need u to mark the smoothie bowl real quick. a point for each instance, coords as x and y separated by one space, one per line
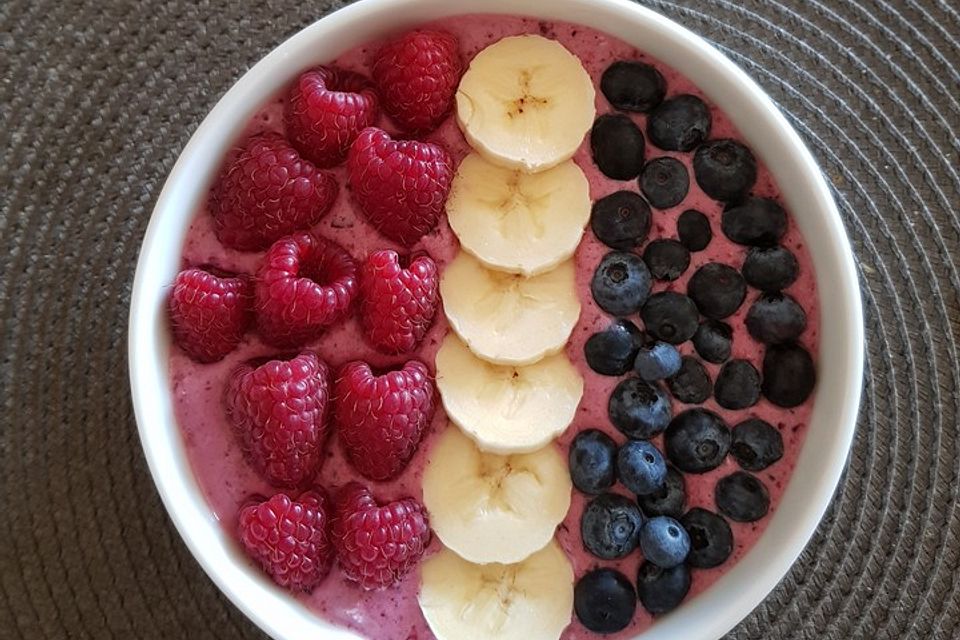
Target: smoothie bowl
495 321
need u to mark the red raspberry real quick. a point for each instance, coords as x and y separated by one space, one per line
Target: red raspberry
377 545
397 304
289 538
304 284
279 413
326 110
380 419
209 312
267 192
401 185
417 76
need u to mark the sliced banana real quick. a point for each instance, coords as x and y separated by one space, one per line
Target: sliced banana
525 103
532 600
492 508
507 318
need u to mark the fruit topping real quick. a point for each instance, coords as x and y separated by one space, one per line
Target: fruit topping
613 351
669 499
662 590
398 299
667 259
665 182
670 316
711 540
679 123
756 444
604 601
725 170
610 526
691 384
776 318
770 268
629 85
664 542
617 146
638 409
593 461
621 220
621 283
742 497
693 229
788 375
717 289
640 467
209 313
758 222
697 441
737 385
713 341
656 361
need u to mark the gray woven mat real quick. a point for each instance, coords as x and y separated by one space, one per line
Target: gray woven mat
97 100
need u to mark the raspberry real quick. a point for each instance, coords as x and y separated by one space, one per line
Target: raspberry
267 192
325 111
279 412
397 304
377 545
401 185
380 419
304 284
209 313
288 538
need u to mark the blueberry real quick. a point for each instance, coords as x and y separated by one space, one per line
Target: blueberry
662 590
621 220
725 170
593 467
713 341
666 259
617 146
693 229
679 124
757 222
756 444
670 316
604 601
665 182
641 467
664 542
610 526
788 375
668 500
770 268
621 283
711 540
717 289
657 361
633 86
737 385
697 441
776 318
692 383
612 352
638 409
742 497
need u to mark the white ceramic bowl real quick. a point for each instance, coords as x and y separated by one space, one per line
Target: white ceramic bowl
821 462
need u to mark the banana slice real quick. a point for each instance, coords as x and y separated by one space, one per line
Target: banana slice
519 222
525 103
532 600
492 508
506 318
507 409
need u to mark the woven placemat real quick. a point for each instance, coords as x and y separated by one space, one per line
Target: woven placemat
97 100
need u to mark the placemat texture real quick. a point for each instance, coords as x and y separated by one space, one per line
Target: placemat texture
96 102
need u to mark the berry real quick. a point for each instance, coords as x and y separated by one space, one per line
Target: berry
756 444
725 170
381 418
668 500
757 222
617 146
693 229
657 361
664 542
325 111
592 457
604 601
209 313
610 526
670 316
666 259
401 185
621 283
662 590
770 268
691 384
278 411
621 220
612 352
397 303
267 192
713 341
417 76
633 86
697 441
377 543
742 497
717 289
737 385
776 318
305 284
664 181
711 540
639 410
289 539
788 375
679 124
640 467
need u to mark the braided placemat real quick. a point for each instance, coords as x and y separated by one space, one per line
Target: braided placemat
96 102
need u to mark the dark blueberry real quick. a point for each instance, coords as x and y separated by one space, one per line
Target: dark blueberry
693 229
617 146
633 86
662 590
621 220
621 283
757 222
593 461
638 409
610 526
670 316
612 352
711 540
725 170
692 383
717 289
668 500
679 124
697 441
665 182
664 542
666 259
604 601
742 497
737 385
713 341
657 361
770 268
641 467
776 318
756 444
788 375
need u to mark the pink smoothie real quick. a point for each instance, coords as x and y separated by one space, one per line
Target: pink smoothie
393 614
